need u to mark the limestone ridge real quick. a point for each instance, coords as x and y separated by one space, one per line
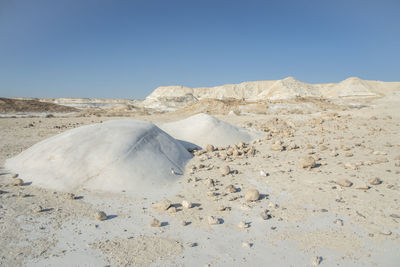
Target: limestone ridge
174 97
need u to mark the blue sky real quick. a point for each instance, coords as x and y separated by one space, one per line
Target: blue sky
125 49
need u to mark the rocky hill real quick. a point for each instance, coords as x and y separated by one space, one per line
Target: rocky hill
174 97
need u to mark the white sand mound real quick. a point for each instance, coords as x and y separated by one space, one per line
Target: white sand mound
112 156
203 129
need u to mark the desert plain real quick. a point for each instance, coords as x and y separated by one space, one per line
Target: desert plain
316 182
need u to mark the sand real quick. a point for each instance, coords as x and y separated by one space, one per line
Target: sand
303 214
116 155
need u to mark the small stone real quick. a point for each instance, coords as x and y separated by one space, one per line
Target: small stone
363 187
155 223
191 244
210 148
323 147
210 182
225 170
316 260
162 206
348 154
338 222
17 182
212 220
231 189
273 205
187 204
172 209
344 183
385 232
243 225
375 181
38 209
252 195
221 208
69 196
334 153
183 223
277 147
246 245
100 215
307 162
264 215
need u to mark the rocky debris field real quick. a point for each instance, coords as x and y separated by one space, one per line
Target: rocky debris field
319 189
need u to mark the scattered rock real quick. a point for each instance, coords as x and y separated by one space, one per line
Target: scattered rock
69 196
162 206
213 220
231 189
344 183
265 215
316 260
155 223
243 225
187 204
100 215
252 195
277 147
17 182
375 181
246 245
221 208
348 154
38 209
172 209
338 222
225 170
307 162
210 148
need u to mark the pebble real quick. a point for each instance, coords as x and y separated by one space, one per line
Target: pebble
344 183
155 223
38 209
338 222
222 208
172 209
69 196
252 195
265 215
187 204
191 244
243 225
307 162
231 189
316 260
17 182
213 220
225 170
100 215
210 148
163 205
246 245
277 147
375 181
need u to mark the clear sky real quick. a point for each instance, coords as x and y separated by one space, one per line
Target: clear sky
125 49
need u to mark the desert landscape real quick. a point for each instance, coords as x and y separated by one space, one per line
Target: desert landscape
263 173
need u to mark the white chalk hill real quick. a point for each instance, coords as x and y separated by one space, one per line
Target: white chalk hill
112 156
202 129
